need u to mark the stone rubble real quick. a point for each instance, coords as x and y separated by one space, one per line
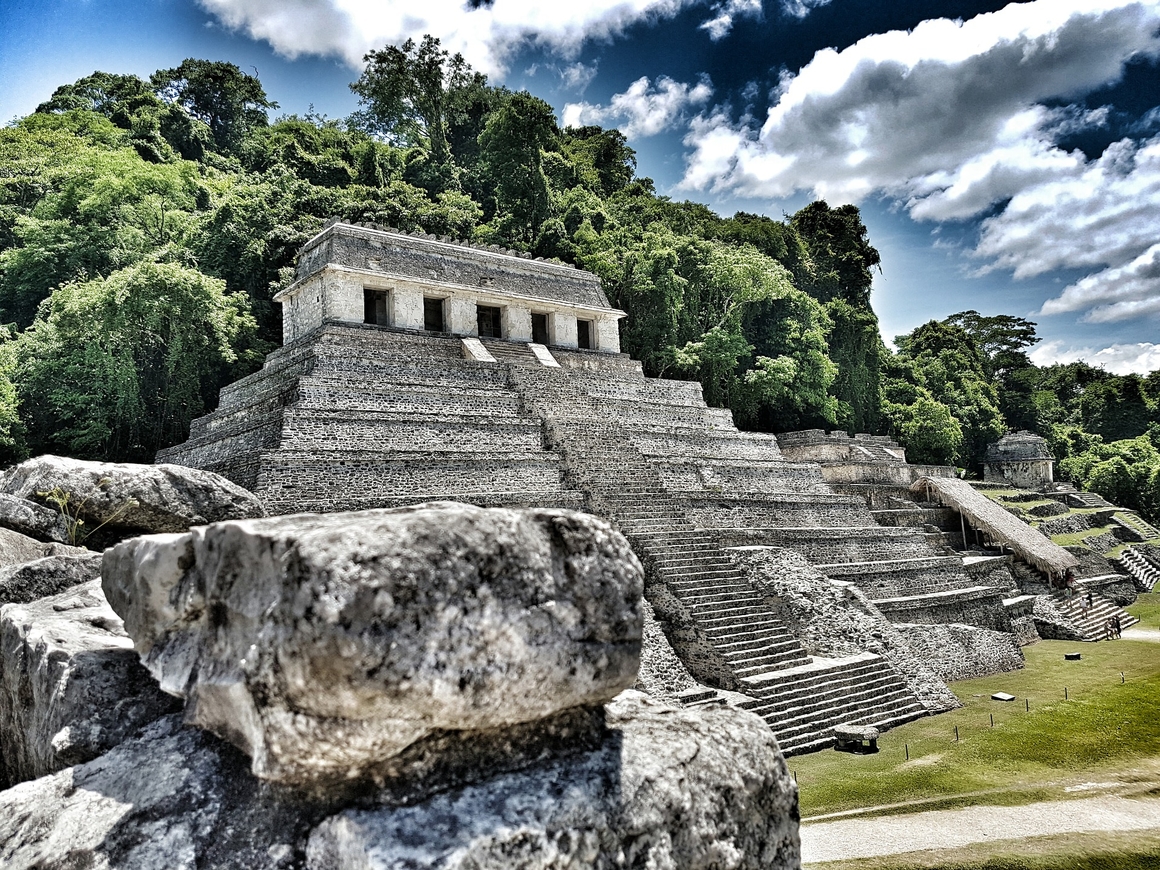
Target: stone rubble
434 687
32 519
71 686
837 619
16 548
28 581
963 652
134 498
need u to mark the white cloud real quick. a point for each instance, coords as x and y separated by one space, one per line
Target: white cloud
727 12
643 109
801 8
577 76
1116 293
1119 359
486 36
951 120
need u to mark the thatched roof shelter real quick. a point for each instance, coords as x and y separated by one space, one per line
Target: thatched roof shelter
1028 543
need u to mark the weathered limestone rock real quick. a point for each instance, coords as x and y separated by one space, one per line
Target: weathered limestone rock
29 581
323 645
71 686
835 619
963 652
145 498
16 548
174 799
32 519
665 788
670 788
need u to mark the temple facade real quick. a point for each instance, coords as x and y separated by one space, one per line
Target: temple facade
358 274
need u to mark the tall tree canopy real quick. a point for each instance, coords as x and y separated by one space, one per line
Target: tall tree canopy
411 94
229 101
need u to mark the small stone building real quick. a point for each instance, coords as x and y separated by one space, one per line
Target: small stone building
360 274
1021 459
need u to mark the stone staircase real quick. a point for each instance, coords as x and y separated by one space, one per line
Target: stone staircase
809 700
362 417
1087 500
1133 521
724 631
1143 570
1091 622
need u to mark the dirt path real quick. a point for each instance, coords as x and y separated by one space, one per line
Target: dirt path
950 829
1138 632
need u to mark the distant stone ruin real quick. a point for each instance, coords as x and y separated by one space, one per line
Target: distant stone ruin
1021 459
418 370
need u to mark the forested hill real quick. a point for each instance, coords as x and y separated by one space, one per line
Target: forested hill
146 225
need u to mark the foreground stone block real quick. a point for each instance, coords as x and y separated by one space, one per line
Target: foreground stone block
51 575
145 498
698 788
324 644
71 686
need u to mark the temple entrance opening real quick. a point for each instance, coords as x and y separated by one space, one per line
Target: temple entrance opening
433 314
487 319
540 328
584 334
375 307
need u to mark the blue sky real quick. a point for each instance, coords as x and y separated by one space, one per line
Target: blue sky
1006 157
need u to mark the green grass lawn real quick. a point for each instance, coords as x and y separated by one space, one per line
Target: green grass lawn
1107 730
1146 609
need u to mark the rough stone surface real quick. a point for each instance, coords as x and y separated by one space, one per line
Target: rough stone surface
963 652
670 788
1048 509
144 498
323 645
71 686
663 788
834 619
662 674
16 548
32 519
29 581
1051 623
173 799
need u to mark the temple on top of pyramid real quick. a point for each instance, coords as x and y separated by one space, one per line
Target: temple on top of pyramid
361 274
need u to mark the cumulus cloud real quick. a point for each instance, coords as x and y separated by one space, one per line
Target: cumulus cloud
955 119
1116 293
485 34
1119 359
644 109
727 12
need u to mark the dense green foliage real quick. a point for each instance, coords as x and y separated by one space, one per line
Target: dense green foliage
117 365
180 193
